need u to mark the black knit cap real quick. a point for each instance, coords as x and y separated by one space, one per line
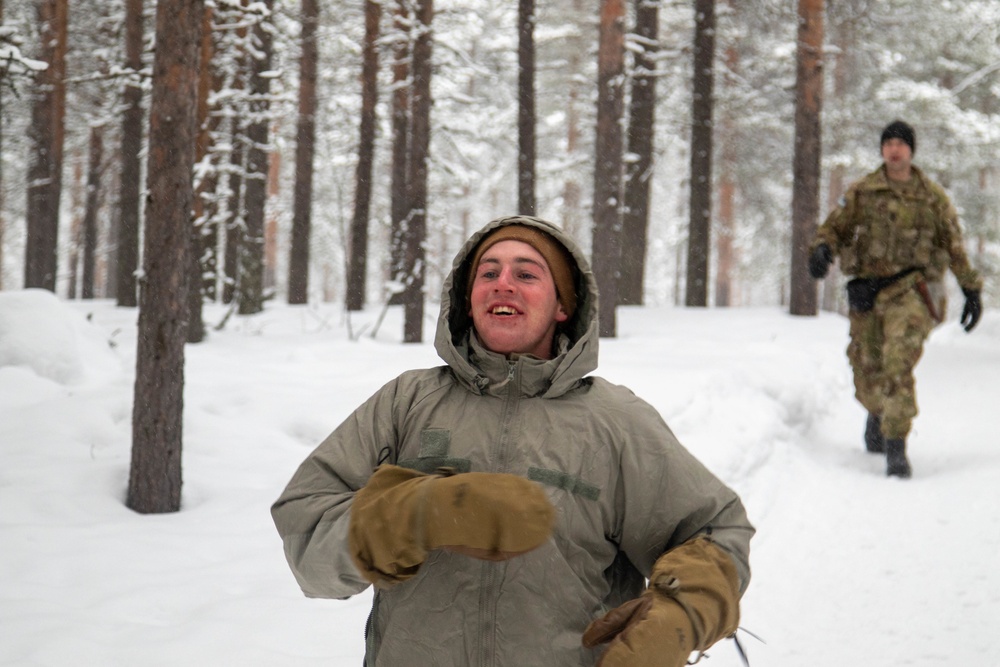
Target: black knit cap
897 129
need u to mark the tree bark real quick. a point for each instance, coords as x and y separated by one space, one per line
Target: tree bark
94 169
526 107
77 193
305 147
608 162
420 136
725 252
157 418
725 247
357 259
251 252
572 190
46 134
699 235
400 148
639 168
127 254
202 260
235 226
273 215
805 169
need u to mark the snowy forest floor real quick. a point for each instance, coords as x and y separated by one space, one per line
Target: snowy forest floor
849 567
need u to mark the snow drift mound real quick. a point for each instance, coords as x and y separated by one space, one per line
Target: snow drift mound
41 333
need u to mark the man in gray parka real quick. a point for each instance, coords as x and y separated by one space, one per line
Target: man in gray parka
508 507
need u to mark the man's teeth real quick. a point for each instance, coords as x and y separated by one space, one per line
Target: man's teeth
504 310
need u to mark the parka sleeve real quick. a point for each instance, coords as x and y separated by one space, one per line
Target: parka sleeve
313 512
967 276
837 230
669 497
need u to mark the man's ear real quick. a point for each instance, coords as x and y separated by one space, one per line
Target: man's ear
561 315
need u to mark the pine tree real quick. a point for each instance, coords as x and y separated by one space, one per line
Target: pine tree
805 192
357 258
608 162
305 140
47 132
157 417
127 236
700 226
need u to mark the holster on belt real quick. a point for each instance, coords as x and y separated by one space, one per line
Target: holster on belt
925 294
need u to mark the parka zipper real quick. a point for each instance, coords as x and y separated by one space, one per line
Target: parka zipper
373 636
493 572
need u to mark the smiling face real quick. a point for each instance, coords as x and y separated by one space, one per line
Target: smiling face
513 305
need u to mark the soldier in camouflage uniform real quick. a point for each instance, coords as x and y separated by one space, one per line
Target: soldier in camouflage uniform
896 234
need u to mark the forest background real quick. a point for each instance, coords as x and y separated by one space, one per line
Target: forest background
935 64
222 153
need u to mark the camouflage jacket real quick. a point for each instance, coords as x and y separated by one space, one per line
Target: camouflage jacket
880 229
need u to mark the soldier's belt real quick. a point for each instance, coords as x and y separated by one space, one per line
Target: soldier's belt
861 292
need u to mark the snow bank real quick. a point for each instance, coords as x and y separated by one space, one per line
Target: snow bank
41 334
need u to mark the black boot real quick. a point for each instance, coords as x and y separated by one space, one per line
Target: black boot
896 464
874 441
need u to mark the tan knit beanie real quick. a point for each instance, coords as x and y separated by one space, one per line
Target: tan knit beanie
561 263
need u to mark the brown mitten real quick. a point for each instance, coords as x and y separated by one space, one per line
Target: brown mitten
401 514
691 603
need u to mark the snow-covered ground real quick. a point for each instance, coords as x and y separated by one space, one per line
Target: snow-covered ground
849 567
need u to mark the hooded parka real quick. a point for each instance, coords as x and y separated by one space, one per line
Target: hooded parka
624 490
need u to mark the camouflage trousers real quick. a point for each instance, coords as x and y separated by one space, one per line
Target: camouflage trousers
886 344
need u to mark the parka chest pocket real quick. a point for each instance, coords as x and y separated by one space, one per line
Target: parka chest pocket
916 235
876 232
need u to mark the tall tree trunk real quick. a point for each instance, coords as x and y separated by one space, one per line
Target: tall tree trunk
805 169
724 244
273 215
400 147
202 258
305 148
251 254
725 251
235 226
357 260
106 267
639 168
416 180
572 191
526 107
77 192
46 133
93 199
155 477
699 236
608 162
127 254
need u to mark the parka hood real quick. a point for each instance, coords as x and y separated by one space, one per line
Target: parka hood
577 339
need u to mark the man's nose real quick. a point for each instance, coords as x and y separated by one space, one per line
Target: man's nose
505 281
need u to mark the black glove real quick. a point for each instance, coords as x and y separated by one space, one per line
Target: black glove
973 309
820 261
